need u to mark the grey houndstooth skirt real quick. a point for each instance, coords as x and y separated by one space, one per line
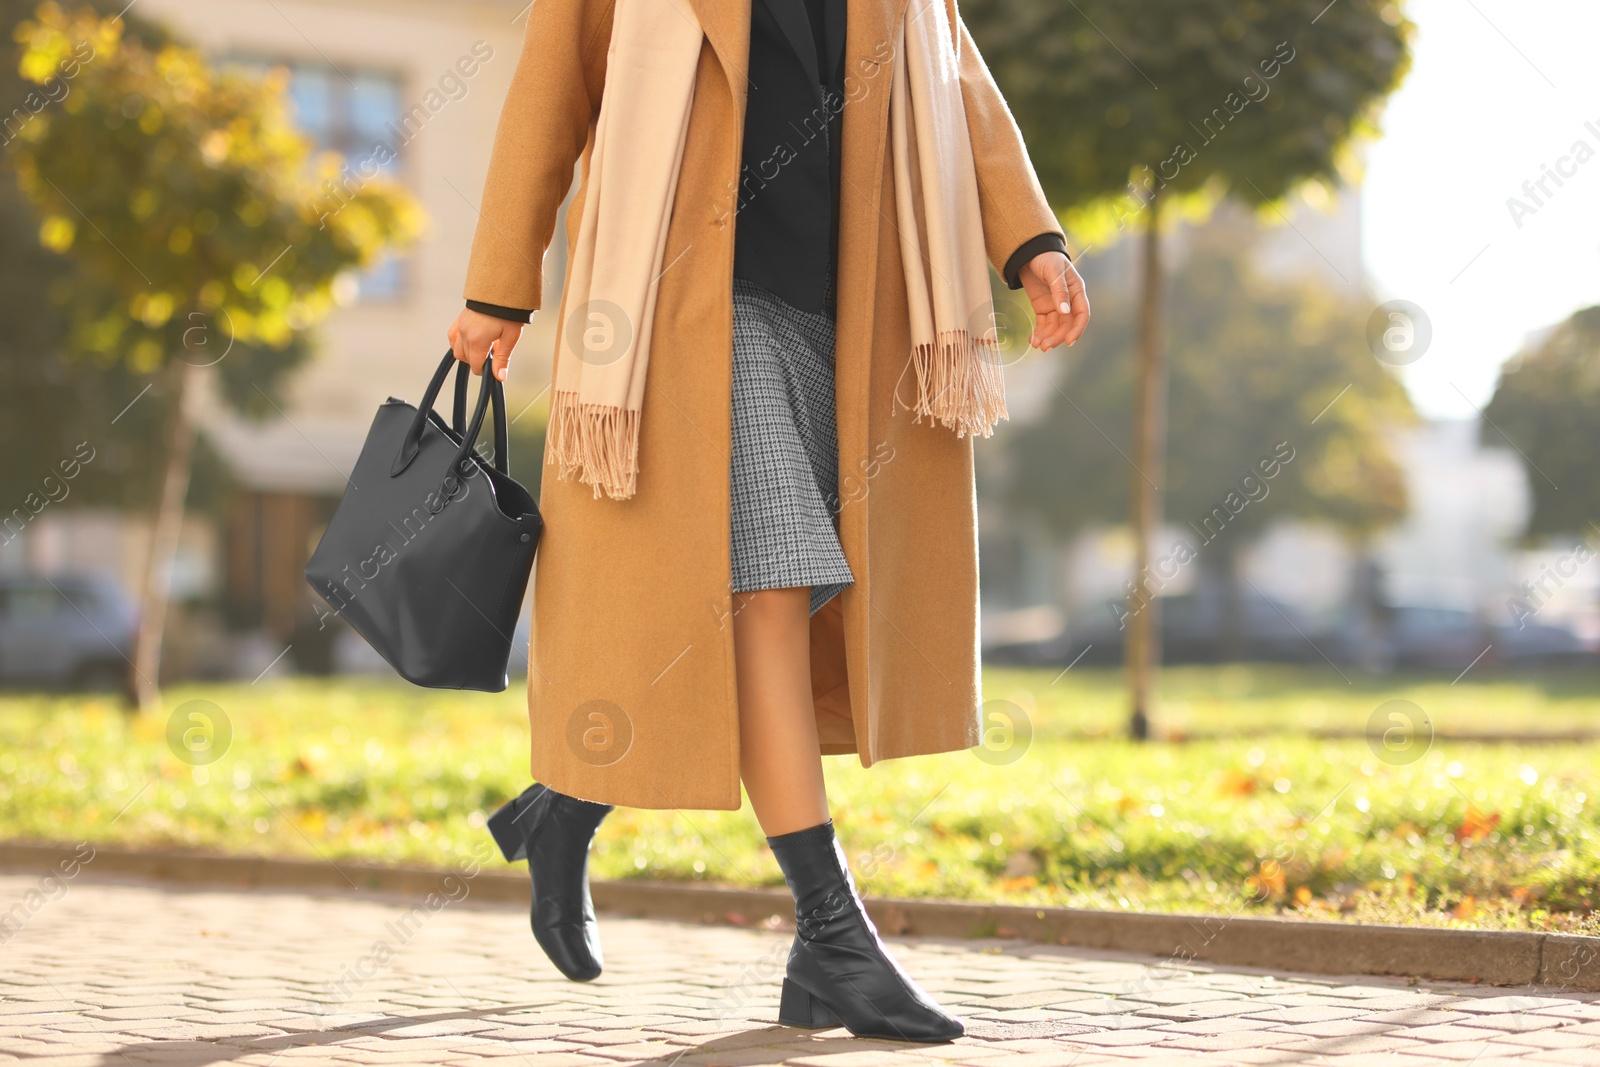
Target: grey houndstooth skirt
785 465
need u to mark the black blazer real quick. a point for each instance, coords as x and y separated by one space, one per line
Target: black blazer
786 231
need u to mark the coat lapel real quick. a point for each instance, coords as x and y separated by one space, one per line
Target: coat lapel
796 23
727 27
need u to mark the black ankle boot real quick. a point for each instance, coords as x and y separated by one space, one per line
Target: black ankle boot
840 973
553 831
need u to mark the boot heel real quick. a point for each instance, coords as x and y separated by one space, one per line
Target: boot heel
799 1008
507 834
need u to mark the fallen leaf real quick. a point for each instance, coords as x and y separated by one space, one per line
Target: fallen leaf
1475 825
1236 783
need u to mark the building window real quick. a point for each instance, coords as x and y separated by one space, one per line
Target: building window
352 112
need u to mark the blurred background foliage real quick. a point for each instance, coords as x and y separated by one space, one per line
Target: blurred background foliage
200 226
1544 407
1109 90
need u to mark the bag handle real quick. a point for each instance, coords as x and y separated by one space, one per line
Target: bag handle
492 389
464 459
458 410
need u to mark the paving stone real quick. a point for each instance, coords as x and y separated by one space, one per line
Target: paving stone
1062 1057
1186 994
1343 1028
1240 1039
1211 1026
1581 1057
1499 1005
1567 1037
1204 1009
1587 1010
1445 1032
1338 1046
115 974
1522 1022
871 1058
1122 1038
1473 1052
1103 1006
1412 1017
1305 1013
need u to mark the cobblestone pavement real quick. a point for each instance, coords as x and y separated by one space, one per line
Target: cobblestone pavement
116 973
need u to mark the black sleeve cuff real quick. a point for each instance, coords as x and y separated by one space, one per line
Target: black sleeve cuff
513 314
1045 242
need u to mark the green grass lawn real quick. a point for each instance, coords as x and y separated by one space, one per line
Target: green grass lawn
1395 829
1242 698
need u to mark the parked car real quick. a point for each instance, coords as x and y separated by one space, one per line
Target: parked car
1193 630
1537 644
67 631
1423 635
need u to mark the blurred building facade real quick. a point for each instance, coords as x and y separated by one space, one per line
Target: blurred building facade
426 79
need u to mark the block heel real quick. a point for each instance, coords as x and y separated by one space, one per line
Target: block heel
799 1008
508 836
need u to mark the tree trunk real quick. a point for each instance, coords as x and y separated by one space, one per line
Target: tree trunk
1231 582
1144 634
155 595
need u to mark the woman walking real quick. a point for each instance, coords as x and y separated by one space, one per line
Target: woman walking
775 345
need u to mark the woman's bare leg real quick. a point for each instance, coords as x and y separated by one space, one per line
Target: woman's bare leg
778 754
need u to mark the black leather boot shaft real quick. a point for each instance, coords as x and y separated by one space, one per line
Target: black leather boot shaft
553 832
840 972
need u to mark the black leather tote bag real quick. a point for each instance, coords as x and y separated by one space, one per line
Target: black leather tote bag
428 555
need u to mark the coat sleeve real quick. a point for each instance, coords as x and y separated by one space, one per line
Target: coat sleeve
1010 197
544 125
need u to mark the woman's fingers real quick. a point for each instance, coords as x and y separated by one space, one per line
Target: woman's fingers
465 343
473 335
1059 289
503 345
500 365
1041 330
1049 330
476 347
1077 320
1047 278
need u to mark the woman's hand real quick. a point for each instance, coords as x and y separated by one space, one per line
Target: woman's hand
472 334
1060 304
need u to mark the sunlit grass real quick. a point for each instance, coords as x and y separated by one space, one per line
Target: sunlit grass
1450 832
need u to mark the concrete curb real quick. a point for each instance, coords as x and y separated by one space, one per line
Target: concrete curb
1555 962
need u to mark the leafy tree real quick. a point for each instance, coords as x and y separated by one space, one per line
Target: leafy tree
202 233
1261 370
1135 108
1547 407
50 406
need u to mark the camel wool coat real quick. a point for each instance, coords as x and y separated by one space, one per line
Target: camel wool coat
631 686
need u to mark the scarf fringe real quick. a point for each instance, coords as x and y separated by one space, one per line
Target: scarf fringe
960 383
597 443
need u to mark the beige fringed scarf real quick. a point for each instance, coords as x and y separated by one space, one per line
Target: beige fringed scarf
617 265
